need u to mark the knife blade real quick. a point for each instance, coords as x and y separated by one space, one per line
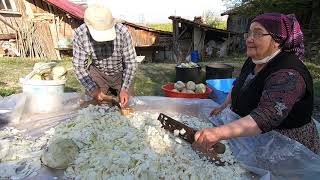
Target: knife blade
171 125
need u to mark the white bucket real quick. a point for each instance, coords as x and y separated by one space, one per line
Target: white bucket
44 96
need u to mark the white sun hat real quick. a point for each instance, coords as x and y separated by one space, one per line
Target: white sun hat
100 23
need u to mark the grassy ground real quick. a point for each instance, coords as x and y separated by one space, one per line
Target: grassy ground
148 81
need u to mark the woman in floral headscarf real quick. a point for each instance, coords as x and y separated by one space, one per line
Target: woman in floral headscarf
274 90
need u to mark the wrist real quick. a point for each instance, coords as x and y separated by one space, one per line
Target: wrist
222 135
94 93
224 105
123 89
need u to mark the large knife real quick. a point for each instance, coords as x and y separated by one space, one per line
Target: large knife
110 100
171 125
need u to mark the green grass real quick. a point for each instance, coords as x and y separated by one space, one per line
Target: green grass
148 80
162 27
315 72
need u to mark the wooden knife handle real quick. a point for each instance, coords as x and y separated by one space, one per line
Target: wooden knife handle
219 148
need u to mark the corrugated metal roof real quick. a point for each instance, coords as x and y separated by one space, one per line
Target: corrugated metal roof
79 1
71 8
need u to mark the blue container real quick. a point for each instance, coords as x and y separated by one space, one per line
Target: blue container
220 89
195 56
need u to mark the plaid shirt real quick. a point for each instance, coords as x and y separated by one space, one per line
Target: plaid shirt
110 57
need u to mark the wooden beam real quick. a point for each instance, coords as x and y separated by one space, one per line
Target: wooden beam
6 23
28 9
44 6
175 45
7 36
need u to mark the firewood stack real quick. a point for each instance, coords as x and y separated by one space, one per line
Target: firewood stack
32 41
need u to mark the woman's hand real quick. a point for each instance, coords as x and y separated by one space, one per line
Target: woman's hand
217 110
206 138
124 97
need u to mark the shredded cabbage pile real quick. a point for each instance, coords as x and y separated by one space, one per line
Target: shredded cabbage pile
19 155
113 146
117 147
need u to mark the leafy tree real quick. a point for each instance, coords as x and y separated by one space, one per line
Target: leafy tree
256 7
309 9
163 27
214 21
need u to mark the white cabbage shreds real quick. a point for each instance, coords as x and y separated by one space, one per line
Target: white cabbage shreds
116 147
19 155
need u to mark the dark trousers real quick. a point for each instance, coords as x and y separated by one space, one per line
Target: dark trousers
109 84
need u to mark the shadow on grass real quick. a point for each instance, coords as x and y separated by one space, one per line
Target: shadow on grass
69 89
150 78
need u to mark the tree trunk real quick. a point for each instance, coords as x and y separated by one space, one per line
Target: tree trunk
314 23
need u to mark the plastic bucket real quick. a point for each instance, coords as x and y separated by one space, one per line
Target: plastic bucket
43 96
218 71
188 74
221 88
195 56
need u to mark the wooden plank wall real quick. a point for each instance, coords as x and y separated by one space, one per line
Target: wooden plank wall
65 25
143 38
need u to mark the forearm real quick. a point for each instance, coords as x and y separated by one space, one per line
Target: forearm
245 126
80 63
129 59
128 76
227 101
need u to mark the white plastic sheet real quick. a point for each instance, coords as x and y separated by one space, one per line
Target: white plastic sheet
272 155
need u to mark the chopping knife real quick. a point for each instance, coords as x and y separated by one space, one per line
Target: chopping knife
171 125
106 100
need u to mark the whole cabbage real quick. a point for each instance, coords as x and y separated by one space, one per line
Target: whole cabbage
200 88
191 85
175 90
190 91
179 85
184 90
60 153
59 73
188 65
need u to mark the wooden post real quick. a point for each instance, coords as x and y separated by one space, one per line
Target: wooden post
54 36
228 44
175 38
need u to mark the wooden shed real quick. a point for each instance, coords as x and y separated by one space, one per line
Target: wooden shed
41 27
307 13
191 36
155 45
44 29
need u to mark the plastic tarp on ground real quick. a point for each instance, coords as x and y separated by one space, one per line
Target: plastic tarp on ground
270 155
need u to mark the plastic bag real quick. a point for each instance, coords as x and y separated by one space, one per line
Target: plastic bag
12 108
14 112
272 155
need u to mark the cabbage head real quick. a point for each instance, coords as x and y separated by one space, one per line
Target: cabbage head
179 85
200 88
190 91
184 90
60 153
175 90
191 85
